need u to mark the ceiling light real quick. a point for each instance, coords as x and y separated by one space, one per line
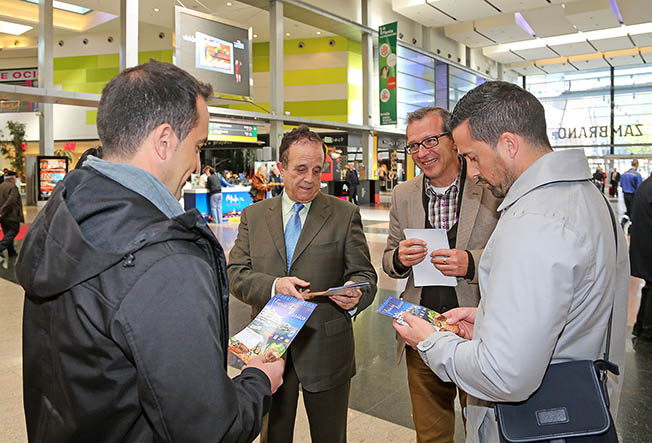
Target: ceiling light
287 34
228 3
616 10
156 9
318 32
520 21
66 7
13 28
255 35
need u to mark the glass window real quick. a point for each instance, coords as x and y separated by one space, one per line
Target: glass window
415 83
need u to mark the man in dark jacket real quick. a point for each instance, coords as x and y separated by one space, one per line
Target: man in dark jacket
352 182
214 186
125 322
11 215
640 256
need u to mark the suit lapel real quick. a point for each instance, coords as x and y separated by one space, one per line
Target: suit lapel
416 214
320 211
275 224
471 199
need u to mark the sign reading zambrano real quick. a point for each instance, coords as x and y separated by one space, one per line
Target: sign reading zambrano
387 71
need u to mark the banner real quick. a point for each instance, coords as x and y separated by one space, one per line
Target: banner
387 71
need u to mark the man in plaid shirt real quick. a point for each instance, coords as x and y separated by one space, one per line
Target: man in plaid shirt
439 198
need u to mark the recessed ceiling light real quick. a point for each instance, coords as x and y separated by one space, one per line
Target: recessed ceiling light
255 35
13 28
156 9
563 5
228 3
66 7
287 34
318 32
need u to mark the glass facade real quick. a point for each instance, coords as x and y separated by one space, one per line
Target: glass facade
415 83
459 83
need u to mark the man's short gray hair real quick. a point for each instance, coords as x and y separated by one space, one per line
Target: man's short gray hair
422 113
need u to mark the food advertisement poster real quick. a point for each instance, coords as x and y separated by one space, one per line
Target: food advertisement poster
387 72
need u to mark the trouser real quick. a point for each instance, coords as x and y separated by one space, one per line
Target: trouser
433 410
643 325
353 194
216 207
10 231
629 201
327 411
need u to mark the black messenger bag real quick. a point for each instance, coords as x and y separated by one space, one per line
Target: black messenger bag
571 405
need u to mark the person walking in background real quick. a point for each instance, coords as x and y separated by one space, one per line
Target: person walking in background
259 183
276 181
598 179
352 182
214 185
203 179
640 255
615 180
629 181
11 216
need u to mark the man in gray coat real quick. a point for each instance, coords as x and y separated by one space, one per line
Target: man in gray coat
443 197
550 275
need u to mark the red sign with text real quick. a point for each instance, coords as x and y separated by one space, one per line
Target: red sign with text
18 75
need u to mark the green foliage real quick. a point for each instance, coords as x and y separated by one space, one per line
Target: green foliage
12 149
64 153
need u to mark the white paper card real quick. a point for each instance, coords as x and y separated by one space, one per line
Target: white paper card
425 273
249 338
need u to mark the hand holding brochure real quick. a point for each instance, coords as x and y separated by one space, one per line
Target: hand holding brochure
395 308
425 273
339 290
271 332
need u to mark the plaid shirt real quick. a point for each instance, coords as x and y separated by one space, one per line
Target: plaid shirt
442 208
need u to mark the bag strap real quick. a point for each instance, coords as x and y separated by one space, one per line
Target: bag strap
605 365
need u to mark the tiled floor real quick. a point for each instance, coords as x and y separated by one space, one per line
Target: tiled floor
379 402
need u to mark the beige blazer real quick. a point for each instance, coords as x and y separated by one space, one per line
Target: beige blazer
331 250
478 218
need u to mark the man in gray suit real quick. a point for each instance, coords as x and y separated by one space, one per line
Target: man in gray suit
298 242
442 198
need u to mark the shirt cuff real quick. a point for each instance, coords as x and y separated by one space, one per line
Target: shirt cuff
424 346
274 287
470 270
352 311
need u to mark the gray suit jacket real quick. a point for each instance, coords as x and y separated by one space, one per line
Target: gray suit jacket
331 250
478 217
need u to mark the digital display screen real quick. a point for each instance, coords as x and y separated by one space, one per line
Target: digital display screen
232 132
51 170
213 52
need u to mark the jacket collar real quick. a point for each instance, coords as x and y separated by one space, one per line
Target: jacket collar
557 166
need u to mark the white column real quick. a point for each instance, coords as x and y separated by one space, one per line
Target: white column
277 96
45 76
367 91
128 33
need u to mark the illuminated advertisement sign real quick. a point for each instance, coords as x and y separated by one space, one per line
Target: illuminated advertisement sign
51 170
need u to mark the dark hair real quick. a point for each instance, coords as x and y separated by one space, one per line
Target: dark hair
95 152
212 170
296 135
139 99
422 113
496 107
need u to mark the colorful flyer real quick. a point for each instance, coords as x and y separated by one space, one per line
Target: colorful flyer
395 308
271 332
387 72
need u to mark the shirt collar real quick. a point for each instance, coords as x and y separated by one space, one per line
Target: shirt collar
557 166
430 189
288 204
139 181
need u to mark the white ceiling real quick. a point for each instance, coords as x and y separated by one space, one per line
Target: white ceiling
570 29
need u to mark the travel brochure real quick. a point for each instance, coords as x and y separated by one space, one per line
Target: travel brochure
395 308
271 332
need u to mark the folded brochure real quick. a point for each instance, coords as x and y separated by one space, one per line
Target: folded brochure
395 308
339 290
272 331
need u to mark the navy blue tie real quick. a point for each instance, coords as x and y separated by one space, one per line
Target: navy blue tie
292 233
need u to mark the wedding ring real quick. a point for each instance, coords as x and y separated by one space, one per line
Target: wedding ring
444 260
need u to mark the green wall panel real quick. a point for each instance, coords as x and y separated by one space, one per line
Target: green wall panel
315 76
108 60
101 74
260 64
70 76
260 49
162 56
80 62
91 117
93 88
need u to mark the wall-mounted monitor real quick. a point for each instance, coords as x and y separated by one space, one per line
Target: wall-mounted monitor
214 51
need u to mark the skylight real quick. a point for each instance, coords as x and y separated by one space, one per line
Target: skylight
66 7
13 28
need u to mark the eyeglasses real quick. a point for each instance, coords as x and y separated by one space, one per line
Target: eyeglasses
428 143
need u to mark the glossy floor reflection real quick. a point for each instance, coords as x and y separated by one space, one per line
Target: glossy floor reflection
379 405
